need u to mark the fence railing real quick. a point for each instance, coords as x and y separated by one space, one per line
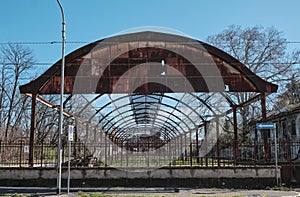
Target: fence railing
173 154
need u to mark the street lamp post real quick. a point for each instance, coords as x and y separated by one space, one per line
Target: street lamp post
59 149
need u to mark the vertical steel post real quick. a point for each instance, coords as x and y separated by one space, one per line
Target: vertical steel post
87 140
0 150
69 166
148 155
197 146
255 145
235 129
182 149
59 149
185 149
94 140
32 130
206 142
265 131
276 155
218 141
105 151
191 149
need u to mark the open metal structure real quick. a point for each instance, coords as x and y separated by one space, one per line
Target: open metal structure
149 93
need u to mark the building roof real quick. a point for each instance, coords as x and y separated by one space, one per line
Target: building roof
149 82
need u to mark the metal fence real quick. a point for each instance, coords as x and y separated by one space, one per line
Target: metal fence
173 154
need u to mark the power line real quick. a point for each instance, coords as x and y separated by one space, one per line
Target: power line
292 42
42 64
33 64
44 42
78 42
231 63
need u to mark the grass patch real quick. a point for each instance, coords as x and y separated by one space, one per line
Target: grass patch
19 195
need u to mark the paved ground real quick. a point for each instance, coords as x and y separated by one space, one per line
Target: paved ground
119 191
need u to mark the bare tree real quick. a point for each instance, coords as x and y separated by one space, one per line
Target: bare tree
47 121
2 94
263 51
16 60
291 95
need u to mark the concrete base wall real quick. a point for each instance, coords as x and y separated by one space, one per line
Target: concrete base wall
246 177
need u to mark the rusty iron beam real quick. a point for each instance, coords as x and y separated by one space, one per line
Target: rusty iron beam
32 130
265 133
235 135
56 107
249 101
234 74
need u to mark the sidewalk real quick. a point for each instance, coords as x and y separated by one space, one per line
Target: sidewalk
157 192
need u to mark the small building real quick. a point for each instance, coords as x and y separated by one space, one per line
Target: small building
287 122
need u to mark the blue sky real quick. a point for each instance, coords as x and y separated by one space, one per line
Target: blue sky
90 20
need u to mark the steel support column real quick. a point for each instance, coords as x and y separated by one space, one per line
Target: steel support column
32 131
235 140
265 133
218 141
197 145
255 144
191 149
205 134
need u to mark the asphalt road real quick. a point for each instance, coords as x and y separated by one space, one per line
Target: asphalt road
42 191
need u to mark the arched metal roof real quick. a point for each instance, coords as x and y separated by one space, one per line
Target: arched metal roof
147 83
136 48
